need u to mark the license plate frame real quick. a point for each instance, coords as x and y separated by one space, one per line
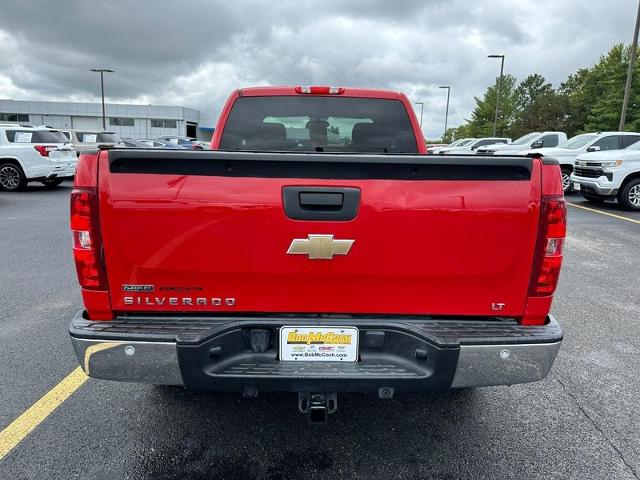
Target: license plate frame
308 343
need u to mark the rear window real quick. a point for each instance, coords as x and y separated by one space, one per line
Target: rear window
318 124
40 136
90 137
51 136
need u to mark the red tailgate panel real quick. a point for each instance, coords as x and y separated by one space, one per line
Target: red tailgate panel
421 247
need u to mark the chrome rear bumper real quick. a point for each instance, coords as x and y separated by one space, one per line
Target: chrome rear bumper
143 362
451 362
484 365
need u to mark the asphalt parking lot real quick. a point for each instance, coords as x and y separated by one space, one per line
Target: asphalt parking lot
580 422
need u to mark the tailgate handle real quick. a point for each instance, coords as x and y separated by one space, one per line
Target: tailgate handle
321 200
321 203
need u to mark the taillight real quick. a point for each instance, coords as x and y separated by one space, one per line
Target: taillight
548 258
86 239
320 90
44 149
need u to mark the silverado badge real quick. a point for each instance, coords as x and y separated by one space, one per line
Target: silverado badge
319 247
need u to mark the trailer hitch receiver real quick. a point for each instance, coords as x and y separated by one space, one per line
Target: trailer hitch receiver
317 405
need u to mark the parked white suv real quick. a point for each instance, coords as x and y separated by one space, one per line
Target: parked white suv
606 175
523 144
470 147
587 142
34 154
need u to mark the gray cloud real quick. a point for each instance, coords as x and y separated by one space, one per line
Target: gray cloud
195 53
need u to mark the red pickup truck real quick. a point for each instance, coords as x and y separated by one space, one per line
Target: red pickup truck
316 249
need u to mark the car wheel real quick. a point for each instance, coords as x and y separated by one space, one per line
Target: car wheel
629 196
593 198
11 177
52 182
566 180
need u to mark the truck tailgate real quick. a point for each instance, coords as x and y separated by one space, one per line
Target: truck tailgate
208 232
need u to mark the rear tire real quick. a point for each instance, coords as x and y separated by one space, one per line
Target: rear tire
593 198
566 180
52 183
11 177
629 195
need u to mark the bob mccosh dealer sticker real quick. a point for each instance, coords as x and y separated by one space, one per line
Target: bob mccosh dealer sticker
324 344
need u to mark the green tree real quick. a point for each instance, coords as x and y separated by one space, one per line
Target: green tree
455 133
575 91
532 95
588 100
481 122
606 84
595 94
547 112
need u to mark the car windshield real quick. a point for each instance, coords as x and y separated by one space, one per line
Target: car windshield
458 142
465 142
320 124
579 140
525 138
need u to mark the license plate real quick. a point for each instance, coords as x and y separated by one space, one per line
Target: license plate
576 186
319 344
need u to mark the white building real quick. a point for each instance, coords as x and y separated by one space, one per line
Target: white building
135 121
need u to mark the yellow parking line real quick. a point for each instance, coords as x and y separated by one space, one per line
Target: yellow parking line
39 411
619 217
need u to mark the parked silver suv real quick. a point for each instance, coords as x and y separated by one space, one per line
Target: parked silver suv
84 140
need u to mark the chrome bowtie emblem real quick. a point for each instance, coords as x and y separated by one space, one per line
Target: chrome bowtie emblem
319 247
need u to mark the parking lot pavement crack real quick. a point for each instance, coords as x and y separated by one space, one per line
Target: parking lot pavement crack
592 421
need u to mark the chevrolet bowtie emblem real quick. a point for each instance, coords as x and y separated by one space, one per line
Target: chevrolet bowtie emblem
319 247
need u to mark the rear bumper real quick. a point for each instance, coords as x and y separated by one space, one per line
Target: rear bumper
408 355
62 169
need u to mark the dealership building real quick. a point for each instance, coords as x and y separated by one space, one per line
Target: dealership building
135 121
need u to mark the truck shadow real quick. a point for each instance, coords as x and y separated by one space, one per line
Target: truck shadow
224 436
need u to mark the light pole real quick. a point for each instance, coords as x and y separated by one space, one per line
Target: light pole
495 120
446 115
102 70
421 110
632 65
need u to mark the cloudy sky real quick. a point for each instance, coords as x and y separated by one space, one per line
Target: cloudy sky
193 53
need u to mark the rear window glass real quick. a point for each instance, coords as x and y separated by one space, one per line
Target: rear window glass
90 137
51 136
318 124
41 136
